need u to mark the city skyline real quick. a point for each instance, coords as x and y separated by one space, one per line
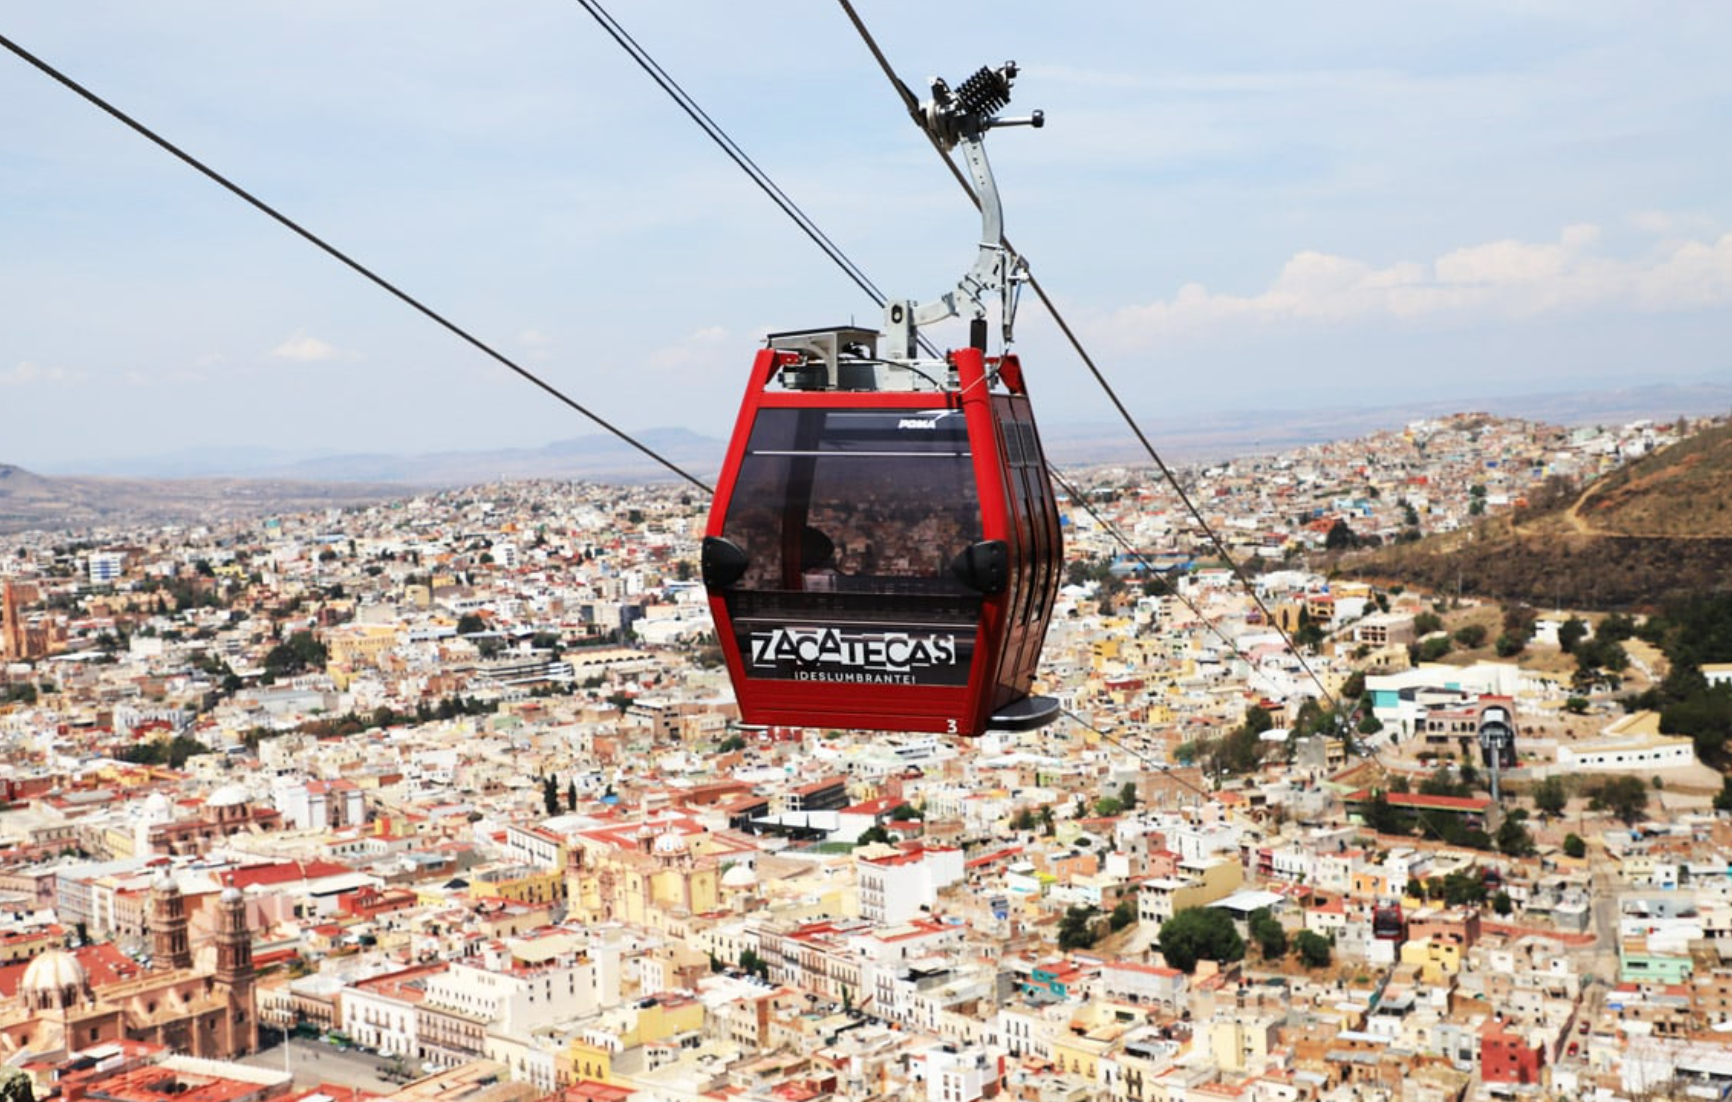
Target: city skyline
1353 207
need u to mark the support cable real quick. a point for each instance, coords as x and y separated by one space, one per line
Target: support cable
344 259
908 101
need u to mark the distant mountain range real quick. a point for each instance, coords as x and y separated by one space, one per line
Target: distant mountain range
211 483
1181 439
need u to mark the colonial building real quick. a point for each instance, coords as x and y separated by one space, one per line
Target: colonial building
205 1011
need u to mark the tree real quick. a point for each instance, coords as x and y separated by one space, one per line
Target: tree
1314 949
15 1086
1471 635
873 834
550 794
730 744
1574 846
1340 537
1384 819
1076 928
906 812
1571 632
1123 915
1200 933
1624 796
1128 795
1430 650
1108 806
571 794
1513 838
469 623
1024 820
1268 933
1550 796
1501 903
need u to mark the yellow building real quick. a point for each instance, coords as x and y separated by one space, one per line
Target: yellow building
1435 958
519 884
1198 884
660 875
589 1061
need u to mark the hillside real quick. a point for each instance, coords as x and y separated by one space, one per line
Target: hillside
1659 527
1680 493
32 501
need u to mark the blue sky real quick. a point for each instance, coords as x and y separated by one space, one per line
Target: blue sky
1236 205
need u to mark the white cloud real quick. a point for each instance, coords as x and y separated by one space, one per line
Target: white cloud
702 348
1505 280
27 373
306 349
537 346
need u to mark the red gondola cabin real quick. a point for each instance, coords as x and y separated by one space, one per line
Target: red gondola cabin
884 559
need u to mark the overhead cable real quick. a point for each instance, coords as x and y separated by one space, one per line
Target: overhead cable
346 260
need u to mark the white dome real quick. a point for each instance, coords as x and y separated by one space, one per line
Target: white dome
227 796
740 876
156 807
671 842
53 970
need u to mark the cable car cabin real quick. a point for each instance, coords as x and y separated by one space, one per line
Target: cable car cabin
879 556
1387 923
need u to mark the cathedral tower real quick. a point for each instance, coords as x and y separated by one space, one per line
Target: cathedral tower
234 971
170 947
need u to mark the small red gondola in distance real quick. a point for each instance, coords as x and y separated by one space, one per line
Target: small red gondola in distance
883 550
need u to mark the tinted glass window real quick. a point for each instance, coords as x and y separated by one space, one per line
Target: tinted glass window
855 501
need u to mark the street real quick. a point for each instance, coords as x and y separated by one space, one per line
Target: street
314 1062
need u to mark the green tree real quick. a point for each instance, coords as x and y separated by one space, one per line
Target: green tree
1314 949
873 834
1123 915
469 623
1076 930
1128 795
1471 635
906 812
1624 796
1383 818
1501 903
1268 933
1024 820
15 1086
550 794
731 744
1574 846
1571 632
571 794
1513 838
1108 806
1200 933
1550 796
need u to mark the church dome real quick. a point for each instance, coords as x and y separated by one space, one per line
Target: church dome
229 795
671 843
53 979
740 877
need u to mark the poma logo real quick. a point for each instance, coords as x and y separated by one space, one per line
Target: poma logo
917 423
887 652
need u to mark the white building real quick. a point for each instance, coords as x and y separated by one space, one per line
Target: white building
893 889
